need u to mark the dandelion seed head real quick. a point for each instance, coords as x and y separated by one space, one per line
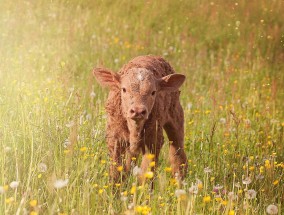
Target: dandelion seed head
272 209
251 194
42 167
60 183
14 184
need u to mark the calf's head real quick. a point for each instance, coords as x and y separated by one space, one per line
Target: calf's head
139 89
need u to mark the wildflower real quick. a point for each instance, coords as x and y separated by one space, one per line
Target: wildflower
231 212
66 143
33 213
251 194
92 94
133 189
103 161
180 193
117 184
9 200
137 171
33 203
119 168
42 167
247 181
218 187
222 120
58 184
267 164
150 156
168 169
152 164
206 199
7 149
2 190
272 209
207 170
149 174
232 196
101 191
83 149
275 182
143 209
14 184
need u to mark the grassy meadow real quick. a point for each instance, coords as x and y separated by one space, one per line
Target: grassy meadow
54 158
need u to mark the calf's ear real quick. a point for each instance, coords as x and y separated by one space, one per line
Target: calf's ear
106 77
171 82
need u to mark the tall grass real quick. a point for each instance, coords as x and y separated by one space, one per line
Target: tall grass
52 117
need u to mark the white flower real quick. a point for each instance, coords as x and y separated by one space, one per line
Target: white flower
180 193
92 94
42 167
193 189
247 181
14 184
222 120
251 194
232 196
2 190
66 143
189 106
218 187
7 149
60 183
137 171
207 170
272 209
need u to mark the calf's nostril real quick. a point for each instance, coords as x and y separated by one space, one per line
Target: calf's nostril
143 112
132 111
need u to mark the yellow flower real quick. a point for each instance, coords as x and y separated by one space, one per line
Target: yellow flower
150 156
39 175
143 209
231 212
149 174
224 202
133 189
33 203
6 187
275 182
152 164
206 199
119 168
168 169
218 199
133 158
33 213
267 164
101 191
9 200
83 149
117 185
261 169
103 161
251 168
200 186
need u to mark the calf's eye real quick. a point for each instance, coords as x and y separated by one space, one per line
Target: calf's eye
124 90
153 93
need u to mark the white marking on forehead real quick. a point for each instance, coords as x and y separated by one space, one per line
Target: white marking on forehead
140 76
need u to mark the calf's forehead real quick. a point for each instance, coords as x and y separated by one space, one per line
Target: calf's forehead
138 79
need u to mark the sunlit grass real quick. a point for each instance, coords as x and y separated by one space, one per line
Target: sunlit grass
54 158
